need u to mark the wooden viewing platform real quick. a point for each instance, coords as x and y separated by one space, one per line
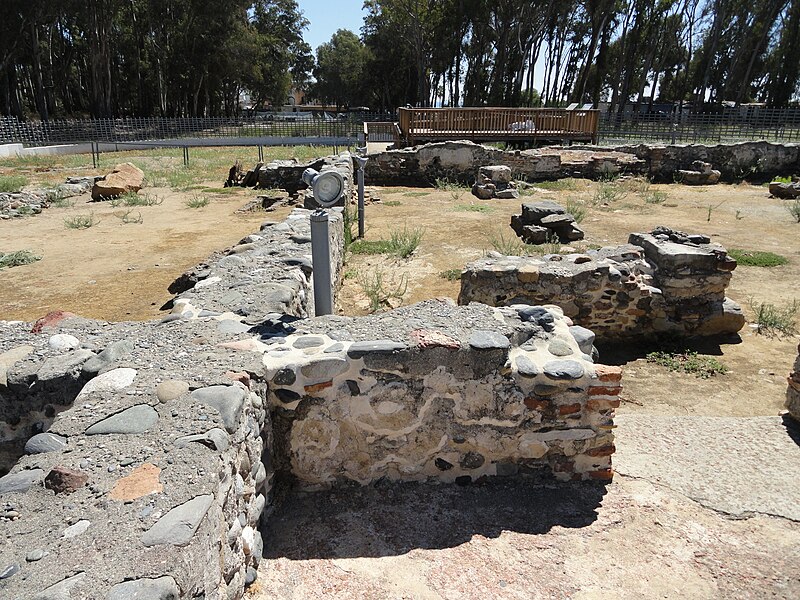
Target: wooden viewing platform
555 125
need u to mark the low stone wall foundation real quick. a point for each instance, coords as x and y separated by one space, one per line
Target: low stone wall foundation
651 286
793 391
143 457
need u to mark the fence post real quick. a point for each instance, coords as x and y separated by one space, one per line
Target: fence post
186 156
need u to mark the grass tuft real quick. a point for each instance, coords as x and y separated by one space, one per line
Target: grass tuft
17 258
135 199
392 203
478 208
559 185
756 258
129 218
401 243
688 362
197 201
771 320
793 208
608 193
576 208
455 189
654 197
12 183
374 285
81 221
451 274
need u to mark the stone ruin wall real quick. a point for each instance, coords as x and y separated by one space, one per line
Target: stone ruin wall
447 393
793 391
151 457
460 160
648 287
759 161
150 440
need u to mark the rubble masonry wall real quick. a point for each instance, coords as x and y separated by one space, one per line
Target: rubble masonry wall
648 287
460 160
152 456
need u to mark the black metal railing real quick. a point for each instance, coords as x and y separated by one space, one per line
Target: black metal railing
734 125
145 129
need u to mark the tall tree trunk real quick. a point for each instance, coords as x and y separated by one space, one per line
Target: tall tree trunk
39 98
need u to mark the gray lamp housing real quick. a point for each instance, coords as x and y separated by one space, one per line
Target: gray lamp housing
328 187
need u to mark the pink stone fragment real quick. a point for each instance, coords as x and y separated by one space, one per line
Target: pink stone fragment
429 338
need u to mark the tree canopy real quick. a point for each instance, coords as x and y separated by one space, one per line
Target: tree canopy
196 57
148 57
475 52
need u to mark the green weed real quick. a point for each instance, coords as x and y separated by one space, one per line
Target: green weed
793 208
507 244
688 362
392 203
607 193
81 221
559 185
12 183
380 290
401 243
772 320
479 208
455 189
711 209
780 179
128 217
197 201
137 199
756 258
576 208
451 274
17 258
654 197
220 190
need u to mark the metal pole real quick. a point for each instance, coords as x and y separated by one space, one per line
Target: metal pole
321 262
361 161
361 202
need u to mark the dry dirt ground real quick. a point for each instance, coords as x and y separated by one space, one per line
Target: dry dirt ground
688 514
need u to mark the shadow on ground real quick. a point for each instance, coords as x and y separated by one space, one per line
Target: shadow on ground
792 428
392 519
621 353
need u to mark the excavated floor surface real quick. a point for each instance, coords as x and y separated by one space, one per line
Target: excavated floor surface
687 516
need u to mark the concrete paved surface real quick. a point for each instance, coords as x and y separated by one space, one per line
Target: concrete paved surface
734 465
689 515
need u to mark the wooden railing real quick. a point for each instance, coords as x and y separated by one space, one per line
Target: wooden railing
381 131
498 124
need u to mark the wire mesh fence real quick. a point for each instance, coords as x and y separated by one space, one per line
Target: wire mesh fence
143 129
774 125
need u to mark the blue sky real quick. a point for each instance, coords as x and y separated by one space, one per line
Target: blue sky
326 16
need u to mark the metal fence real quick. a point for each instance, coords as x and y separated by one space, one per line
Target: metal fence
280 125
775 125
